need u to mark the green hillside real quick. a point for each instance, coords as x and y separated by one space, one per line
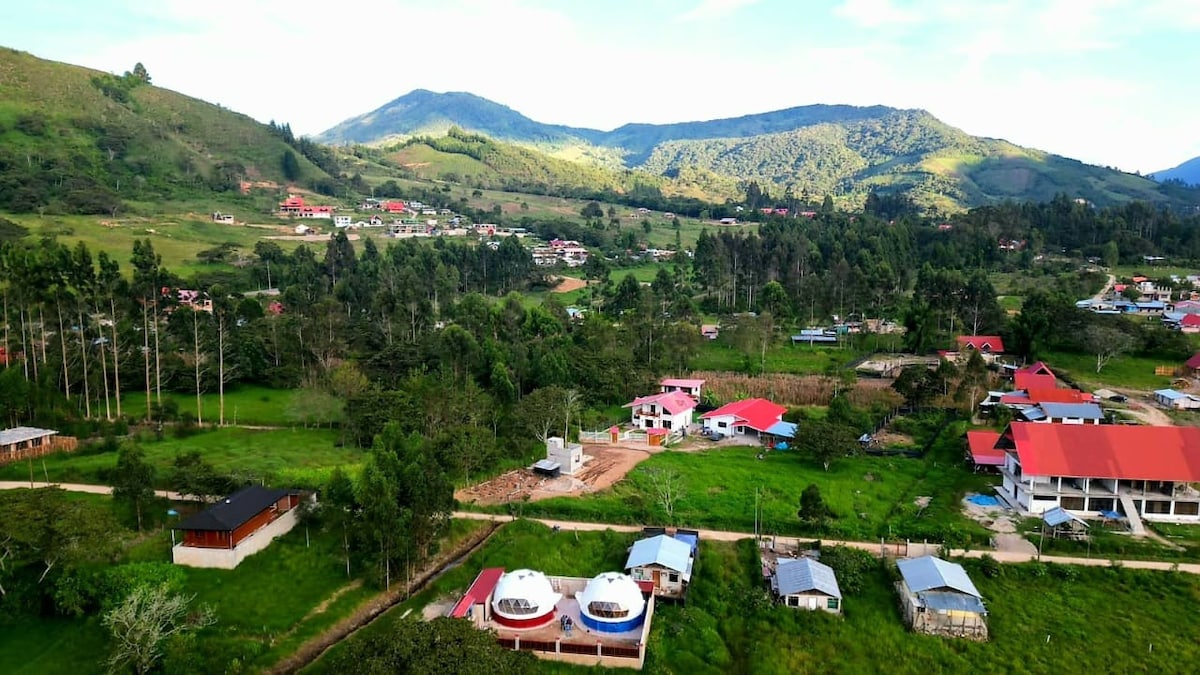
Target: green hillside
75 140
844 151
482 162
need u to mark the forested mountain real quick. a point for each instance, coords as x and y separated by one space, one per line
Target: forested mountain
76 140
818 149
1187 173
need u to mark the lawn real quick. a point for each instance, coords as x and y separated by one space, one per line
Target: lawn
252 405
57 646
297 457
1112 542
871 497
1126 371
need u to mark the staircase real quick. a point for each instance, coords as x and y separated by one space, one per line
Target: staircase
1130 509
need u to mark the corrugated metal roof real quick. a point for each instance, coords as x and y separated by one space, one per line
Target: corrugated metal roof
785 429
931 574
21 434
232 512
983 447
1034 414
1086 411
1170 394
1108 451
1058 515
951 602
661 550
802 575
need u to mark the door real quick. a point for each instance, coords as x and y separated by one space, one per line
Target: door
657 577
812 603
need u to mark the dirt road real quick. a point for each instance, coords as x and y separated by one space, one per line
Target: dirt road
79 487
915 548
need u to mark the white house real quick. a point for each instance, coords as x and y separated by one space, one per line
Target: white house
1063 413
343 221
1177 400
806 584
1140 471
663 560
671 410
689 387
751 416
568 456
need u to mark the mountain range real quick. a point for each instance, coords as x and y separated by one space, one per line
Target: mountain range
813 149
1187 173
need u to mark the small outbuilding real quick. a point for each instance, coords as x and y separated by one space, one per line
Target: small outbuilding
938 598
1062 523
236 527
568 456
24 442
611 602
806 583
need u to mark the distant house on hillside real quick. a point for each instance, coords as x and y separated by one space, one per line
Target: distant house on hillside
986 345
938 598
690 387
223 218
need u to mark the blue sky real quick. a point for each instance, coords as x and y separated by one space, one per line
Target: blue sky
1110 82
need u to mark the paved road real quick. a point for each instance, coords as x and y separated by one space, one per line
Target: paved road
79 487
915 548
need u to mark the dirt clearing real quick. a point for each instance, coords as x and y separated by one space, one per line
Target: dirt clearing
568 284
603 465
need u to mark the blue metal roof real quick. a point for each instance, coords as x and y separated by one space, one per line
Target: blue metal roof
1170 394
802 575
689 538
784 429
1033 414
930 574
1087 411
662 550
1058 515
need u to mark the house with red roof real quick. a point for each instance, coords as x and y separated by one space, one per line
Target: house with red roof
750 416
1143 472
1036 375
1190 323
671 411
984 344
1193 364
981 448
689 387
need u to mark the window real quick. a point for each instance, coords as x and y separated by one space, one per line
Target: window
1073 503
1187 508
666 424
673 577
607 610
722 425
833 603
516 606
793 601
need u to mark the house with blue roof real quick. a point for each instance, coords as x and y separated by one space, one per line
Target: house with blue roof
806 583
1063 413
664 561
938 598
1176 400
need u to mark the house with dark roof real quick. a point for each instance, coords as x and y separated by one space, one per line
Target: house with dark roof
234 528
938 598
1140 471
805 583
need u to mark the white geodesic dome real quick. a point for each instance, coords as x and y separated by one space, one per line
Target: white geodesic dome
524 594
611 597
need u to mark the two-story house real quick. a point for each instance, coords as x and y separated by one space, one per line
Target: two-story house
670 410
1141 471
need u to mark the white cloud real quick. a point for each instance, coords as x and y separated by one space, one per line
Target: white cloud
714 9
874 13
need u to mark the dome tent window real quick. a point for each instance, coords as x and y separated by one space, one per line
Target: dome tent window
516 606
607 610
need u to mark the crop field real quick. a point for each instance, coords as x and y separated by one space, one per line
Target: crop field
781 358
297 457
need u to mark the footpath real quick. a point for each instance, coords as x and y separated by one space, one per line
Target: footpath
879 548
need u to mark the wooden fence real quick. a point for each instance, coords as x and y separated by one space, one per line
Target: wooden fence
52 445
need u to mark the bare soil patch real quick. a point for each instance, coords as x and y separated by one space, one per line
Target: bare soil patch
603 465
568 284
889 439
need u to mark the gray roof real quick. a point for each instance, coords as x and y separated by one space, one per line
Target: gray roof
1058 515
934 574
661 550
235 510
802 575
19 434
1086 411
956 602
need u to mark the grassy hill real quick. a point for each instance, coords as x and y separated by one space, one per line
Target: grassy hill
75 140
838 150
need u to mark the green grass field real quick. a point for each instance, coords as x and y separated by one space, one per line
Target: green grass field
296 457
1125 371
871 497
1107 543
252 405
1097 619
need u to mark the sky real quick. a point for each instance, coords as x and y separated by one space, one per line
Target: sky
1108 82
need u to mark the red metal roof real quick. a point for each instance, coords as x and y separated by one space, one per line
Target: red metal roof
1023 380
1036 368
983 447
984 343
1190 320
1108 451
479 591
673 402
757 413
1047 395
1193 362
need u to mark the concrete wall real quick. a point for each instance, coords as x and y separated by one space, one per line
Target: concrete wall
228 559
